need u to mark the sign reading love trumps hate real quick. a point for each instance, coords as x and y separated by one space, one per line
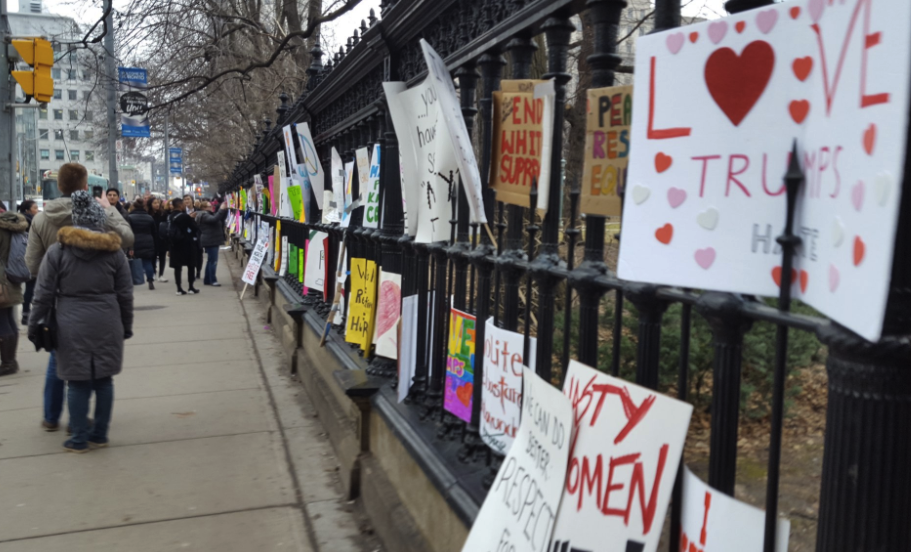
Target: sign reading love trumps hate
622 464
519 510
716 110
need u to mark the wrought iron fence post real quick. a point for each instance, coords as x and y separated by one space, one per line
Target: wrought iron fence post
648 350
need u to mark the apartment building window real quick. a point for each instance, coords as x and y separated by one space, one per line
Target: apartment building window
89 134
55 74
43 133
58 94
58 155
86 94
89 155
71 74
74 155
45 154
86 76
72 94
74 135
74 115
88 116
42 114
58 114
58 134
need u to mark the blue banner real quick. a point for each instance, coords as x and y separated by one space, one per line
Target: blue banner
134 104
175 160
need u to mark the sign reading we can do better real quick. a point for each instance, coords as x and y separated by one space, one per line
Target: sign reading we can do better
716 109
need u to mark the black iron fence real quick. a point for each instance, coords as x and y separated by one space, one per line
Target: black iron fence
530 279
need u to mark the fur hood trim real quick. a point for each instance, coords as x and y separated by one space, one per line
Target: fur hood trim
86 239
14 222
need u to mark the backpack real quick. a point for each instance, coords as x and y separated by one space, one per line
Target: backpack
164 230
16 271
174 234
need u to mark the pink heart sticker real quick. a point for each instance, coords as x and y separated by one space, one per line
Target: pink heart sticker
705 257
389 306
816 7
766 20
676 197
674 42
717 30
834 278
857 195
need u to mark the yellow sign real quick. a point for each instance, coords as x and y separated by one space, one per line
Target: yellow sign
607 141
362 303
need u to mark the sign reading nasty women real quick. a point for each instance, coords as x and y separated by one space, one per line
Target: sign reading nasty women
622 465
715 113
610 112
519 510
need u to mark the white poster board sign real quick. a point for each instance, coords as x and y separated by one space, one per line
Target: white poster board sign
362 160
714 522
310 162
408 345
315 263
411 189
338 183
713 125
290 150
370 194
284 266
388 314
501 397
348 194
519 511
628 444
256 261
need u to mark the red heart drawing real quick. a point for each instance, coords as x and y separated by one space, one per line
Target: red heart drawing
799 110
859 250
694 36
737 82
802 67
665 233
390 302
804 280
870 139
776 275
464 393
663 162
740 26
795 12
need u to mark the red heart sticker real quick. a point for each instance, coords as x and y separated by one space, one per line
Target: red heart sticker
799 110
776 275
665 233
740 26
390 301
802 67
694 36
663 162
860 250
870 139
464 393
736 82
795 12
804 280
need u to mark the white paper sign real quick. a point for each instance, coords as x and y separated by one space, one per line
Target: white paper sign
454 124
628 444
370 194
715 522
713 125
546 92
330 213
501 397
290 150
409 162
338 182
310 162
519 511
388 313
362 159
348 194
284 266
315 263
256 261
408 345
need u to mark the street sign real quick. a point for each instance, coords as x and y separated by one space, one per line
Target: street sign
175 160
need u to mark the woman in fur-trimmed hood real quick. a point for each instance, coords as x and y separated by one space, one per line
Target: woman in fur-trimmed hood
10 294
87 276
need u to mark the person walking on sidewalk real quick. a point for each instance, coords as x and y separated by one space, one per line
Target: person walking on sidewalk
212 236
160 216
57 214
145 246
10 294
183 237
87 277
28 209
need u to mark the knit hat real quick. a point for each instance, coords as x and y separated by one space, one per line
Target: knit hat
87 213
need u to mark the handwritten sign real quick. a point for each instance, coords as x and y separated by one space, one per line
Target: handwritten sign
338 184
310 164
256 261
362 304
457 396
519 511
607 142
501 397
623 463
283 268
409 162
296 200
713 124
362 160
371 191
715 522
388 314
290 150
316 265
517 147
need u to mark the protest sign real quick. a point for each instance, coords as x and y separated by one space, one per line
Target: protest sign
519 510
362 160
623 462
371 192
409 161
714 522
256 261
362 303
296 201
310 164
338 183
293 263
501 397
388 314
517 132
606 149
277 256
284 204
454 125
283 269
714 122
457 397
545 93
348 194
315 266
290 150
407 353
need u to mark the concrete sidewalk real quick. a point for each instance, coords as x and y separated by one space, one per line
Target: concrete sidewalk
213 447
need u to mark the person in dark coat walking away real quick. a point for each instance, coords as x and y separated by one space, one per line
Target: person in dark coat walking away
184 241
28 209
212 236
10 293
86 276
160 216
145 245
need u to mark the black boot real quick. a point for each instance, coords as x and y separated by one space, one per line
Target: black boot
151 285
8 364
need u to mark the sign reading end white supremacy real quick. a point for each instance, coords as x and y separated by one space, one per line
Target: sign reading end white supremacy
716 110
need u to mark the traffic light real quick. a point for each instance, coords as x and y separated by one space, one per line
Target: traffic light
38 82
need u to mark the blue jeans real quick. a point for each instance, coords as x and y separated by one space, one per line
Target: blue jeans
80 393
149 266
54 391
211 265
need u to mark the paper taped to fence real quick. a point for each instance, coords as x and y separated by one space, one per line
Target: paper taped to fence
407 354
256 261
714 122
715 522
627 446
517 142
409 162
362 303
310 162
388 314
458 394
371 191
501 397
315 265
519 510
607 148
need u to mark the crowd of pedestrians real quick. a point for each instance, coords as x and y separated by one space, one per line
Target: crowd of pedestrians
73 265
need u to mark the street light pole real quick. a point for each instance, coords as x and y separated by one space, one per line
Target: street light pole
111 69
7 113
167 157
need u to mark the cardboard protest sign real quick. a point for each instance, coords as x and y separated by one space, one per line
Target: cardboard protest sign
519 510
256 261
454 125
310 164
315 266
622 464
501 397
458 393
714 522
409 161
607 142
714 122
407 353
362 303
517 142
371 191
388 314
